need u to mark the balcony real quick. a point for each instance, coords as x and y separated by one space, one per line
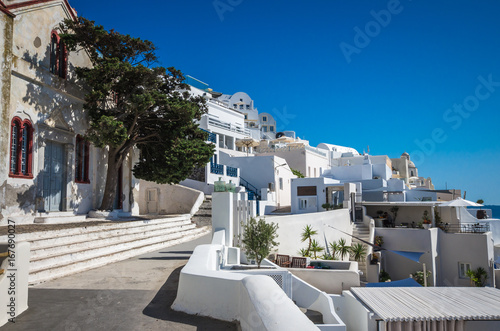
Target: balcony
212 137
217 169
232 172
228 126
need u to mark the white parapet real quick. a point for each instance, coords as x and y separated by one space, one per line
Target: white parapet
14 280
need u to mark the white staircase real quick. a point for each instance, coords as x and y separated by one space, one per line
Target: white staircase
361 231
62 252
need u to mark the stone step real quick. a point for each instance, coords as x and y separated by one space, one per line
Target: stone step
63 258
102 233
54 247
121 253
32 236
57 219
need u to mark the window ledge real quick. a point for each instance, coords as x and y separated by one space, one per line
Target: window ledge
28 176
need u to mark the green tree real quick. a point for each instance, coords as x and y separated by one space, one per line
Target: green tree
334 247
358 251
480 201
477 277
307 234
297 173
316 248
132 104
259 238
344 249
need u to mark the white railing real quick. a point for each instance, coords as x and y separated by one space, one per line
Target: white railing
290 148
228 126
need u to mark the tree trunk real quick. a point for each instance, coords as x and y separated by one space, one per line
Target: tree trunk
108 198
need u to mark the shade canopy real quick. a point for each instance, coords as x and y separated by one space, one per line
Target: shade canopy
461 203
415 256
408 282
247 142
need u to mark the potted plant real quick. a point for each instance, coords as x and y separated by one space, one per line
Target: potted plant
426 222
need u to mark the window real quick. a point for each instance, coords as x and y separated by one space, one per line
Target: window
21 146
246 116
235 106
264 128
248 106
264 118
462 269
82 160
241 107
302 204
271 128
281 183
58 56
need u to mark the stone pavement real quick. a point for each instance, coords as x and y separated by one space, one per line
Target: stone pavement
135 294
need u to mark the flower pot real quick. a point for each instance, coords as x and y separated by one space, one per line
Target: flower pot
426 226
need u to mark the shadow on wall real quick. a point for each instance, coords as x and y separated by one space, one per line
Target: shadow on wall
159 308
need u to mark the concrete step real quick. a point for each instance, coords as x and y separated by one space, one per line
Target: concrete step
57 219
118 255
98 233
54 247
32 236
63 258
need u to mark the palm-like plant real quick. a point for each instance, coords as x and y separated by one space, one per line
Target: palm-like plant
307 233
334 248
344 249
358 251
303 252
316 248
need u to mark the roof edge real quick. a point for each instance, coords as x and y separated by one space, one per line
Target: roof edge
35 2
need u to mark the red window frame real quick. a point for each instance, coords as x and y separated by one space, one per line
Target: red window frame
16 163
58 56
82 160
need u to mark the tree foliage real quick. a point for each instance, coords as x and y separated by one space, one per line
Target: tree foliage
307 234
131 103
259 238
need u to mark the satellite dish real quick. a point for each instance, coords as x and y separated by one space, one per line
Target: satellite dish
279 135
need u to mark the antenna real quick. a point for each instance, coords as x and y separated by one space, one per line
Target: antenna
368 148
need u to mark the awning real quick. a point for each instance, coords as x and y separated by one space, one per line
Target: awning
406 304
415 256
408 282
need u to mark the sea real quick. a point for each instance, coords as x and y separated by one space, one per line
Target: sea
495 210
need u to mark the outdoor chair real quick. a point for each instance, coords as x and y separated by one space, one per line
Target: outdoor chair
283 260
299 262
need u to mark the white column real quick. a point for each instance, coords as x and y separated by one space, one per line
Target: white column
222 214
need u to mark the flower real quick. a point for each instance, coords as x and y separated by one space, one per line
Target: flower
427 222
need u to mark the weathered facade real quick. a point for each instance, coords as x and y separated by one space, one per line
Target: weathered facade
45 167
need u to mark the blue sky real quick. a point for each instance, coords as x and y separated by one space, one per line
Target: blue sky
415 76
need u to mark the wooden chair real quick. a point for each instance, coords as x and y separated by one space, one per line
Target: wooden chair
299 262
283 260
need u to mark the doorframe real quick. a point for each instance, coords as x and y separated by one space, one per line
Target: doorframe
66 138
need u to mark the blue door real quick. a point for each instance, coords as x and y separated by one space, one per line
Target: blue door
53 175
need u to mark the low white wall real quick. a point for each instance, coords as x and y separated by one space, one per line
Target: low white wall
14 284
264 306
257 302
327 280
291 227
353 313
172 199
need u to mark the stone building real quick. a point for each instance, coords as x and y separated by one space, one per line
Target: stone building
46 168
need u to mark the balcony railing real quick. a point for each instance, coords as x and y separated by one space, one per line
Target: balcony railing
232 172
217 169
467 228
212 137
228 126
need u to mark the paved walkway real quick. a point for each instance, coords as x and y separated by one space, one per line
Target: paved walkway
135 294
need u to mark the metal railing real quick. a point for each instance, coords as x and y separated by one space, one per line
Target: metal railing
466 228
253 192
217 169
228 126
212 137
231 172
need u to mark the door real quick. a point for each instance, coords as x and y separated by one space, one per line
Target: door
53 175
152 201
